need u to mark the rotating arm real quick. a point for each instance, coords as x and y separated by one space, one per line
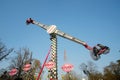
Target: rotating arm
96 51
67 36
29 21
52 29
62 34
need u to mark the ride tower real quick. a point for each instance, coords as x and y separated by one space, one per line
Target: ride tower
95 51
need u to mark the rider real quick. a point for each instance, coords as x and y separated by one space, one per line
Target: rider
100 49
97 50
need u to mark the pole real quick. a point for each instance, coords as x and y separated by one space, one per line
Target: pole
43 65
53 71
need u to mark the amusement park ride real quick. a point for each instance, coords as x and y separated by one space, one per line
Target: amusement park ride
95 51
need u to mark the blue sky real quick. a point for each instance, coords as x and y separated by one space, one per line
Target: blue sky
93 21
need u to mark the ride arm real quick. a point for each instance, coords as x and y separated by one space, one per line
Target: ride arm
29 21
67 36
52 29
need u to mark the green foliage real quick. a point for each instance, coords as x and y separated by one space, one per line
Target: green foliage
112 71
70 76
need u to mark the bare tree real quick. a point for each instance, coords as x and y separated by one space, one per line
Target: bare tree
91 71
24 56
94 73
4 52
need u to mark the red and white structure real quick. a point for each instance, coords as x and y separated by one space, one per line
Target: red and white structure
50 65
13 72
27 67
67 67
54 32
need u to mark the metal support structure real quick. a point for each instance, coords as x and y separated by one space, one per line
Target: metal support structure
53 32
53 71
